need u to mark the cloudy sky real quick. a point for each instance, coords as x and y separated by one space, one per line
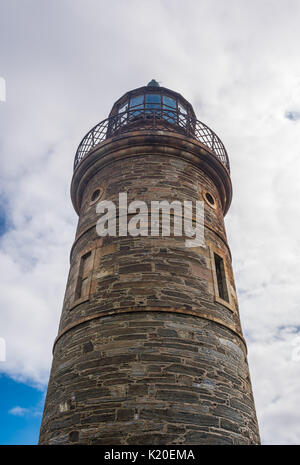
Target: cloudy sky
64 63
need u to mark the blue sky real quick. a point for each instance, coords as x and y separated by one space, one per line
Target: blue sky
21 405
65 63
20 412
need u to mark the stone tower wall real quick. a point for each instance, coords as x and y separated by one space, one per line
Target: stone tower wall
151 354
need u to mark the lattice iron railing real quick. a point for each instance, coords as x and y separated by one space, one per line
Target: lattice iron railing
152 119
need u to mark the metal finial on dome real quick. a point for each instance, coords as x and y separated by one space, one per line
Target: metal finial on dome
153 83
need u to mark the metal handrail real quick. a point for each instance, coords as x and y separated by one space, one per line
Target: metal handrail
161 119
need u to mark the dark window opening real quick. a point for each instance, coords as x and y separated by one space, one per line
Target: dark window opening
221 277
210 198
82 288
95 195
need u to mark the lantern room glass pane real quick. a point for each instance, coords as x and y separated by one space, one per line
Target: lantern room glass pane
168 101
153 101
169 116
182 109
123 108
135 113
182 120
137 101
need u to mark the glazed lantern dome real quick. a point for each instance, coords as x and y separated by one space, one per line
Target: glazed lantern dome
158 101
153 108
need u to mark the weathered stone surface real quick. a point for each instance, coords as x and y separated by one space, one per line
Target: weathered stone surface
150 356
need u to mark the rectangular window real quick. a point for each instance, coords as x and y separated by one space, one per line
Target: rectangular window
221 277
82 288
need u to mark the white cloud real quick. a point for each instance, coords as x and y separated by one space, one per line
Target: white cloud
65 63
22 412
18 411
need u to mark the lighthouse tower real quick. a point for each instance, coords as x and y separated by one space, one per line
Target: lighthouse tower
150 348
